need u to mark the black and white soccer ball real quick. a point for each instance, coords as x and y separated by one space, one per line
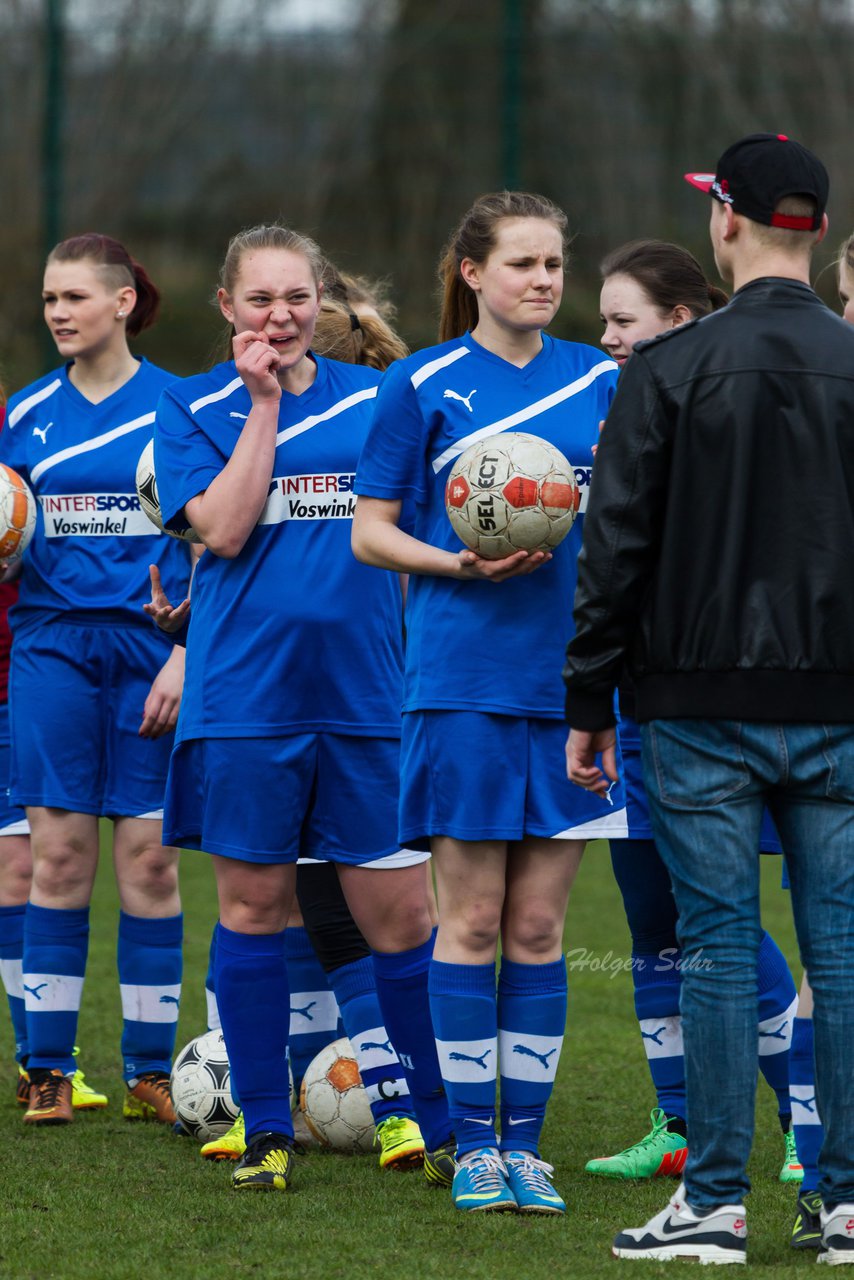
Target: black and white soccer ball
149 499
201 1087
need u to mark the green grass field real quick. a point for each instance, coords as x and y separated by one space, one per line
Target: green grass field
105 1198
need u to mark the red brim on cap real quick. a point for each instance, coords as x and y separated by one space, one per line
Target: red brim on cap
703 181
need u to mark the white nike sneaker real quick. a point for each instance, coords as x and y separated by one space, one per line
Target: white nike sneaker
837 1235
680 1232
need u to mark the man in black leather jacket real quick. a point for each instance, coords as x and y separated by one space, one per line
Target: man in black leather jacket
717 568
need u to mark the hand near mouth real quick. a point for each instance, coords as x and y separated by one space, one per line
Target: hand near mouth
258 364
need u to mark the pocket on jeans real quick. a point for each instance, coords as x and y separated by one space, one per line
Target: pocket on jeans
838 751
697 763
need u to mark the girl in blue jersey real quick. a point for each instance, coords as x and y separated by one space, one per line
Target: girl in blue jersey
650 287
288 739
94 690
482 742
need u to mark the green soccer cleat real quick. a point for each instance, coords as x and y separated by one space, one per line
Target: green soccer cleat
792 1170
529 1179
660 1154
480 1184
83 1096
266 1164
806 1229
400 1142
230 1146
440 1165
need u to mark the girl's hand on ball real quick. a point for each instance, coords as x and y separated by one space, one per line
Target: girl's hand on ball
257 363
516 566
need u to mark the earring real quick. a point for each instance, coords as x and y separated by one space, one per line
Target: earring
120 315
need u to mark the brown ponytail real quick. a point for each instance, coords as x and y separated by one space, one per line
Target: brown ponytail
117 269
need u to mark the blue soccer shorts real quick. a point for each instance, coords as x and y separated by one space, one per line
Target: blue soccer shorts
76 698
330 797
475 775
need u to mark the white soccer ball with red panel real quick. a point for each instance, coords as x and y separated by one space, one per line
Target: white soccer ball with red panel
334 1102
511 492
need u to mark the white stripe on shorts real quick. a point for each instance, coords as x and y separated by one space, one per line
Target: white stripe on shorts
388 862
150 1004
611 826
19 828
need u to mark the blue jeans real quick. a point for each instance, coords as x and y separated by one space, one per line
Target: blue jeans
707 782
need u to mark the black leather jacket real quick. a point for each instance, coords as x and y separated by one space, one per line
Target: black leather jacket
718 556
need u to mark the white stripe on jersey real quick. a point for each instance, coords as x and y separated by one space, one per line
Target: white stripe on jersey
88 445
222 394
12 974
313 1011
524 415
529 1057
52 993
427 370
20 409
368 393
465 1061
662 1037
150 1004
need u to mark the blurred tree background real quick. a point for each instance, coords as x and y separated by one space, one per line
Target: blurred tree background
372 124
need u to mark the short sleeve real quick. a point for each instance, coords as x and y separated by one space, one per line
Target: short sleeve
185 460
393 461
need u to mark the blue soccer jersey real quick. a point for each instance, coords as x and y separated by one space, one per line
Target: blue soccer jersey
93 543
293 635
475 645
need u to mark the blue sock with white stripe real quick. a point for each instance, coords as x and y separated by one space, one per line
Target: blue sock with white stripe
315 1019
12 973
778 1002
806 1122
379 1066
463 1005
150 964
213 1018
251 984
56 944
531 1026
402 989
657 984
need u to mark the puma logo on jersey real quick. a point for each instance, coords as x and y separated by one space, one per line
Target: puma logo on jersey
466 400
42 431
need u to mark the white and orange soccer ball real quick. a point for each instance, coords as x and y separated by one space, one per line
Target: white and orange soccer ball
17 514
334 1102
511 492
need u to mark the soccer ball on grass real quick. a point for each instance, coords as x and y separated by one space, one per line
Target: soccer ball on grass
334 1102
201 1087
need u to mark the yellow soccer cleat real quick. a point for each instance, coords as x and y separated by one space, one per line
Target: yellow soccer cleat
400 1142
83 1096
266 1164
230 1146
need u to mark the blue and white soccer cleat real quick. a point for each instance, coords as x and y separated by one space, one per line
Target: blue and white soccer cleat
480 1183
529 1178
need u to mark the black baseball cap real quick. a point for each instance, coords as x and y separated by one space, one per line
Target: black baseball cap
756 173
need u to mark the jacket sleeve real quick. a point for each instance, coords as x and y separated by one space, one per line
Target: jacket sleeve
622 531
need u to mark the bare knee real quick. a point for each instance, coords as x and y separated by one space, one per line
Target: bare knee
533 934
148 879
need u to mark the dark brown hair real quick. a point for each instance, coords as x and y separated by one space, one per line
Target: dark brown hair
116 268
669 275
475 238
